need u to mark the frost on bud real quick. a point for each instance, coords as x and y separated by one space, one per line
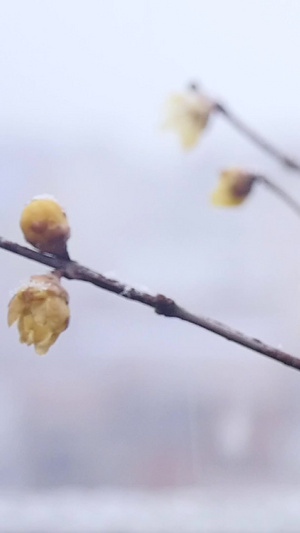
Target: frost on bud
233 187
41 310
45 226
187 114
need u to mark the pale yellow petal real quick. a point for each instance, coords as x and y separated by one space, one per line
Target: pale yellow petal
58 314
15 308
41 333
188 114
223 198
26 330
43 346
38 310
189 133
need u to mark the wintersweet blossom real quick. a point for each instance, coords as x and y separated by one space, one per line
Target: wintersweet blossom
41 311
187 114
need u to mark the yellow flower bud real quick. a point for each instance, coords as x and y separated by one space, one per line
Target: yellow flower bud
187 114
233 187
41 310
45 226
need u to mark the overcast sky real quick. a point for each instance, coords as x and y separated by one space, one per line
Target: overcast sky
73 69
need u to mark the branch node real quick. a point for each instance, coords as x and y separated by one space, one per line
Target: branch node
165 306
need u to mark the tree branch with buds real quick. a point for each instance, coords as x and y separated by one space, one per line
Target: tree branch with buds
246 130
161 304
256 138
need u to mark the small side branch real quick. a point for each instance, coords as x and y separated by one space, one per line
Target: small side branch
282 195
160 303
256 138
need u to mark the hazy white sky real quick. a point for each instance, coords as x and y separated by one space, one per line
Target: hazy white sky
75 70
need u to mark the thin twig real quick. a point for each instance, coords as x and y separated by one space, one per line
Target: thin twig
161 304
285 197
248 132
256 138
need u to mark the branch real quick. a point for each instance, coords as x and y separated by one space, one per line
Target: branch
257 139
282 195
161 304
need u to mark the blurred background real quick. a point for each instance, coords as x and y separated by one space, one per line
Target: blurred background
133 422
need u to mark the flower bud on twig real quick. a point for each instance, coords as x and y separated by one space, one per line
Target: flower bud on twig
233 187
45 226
